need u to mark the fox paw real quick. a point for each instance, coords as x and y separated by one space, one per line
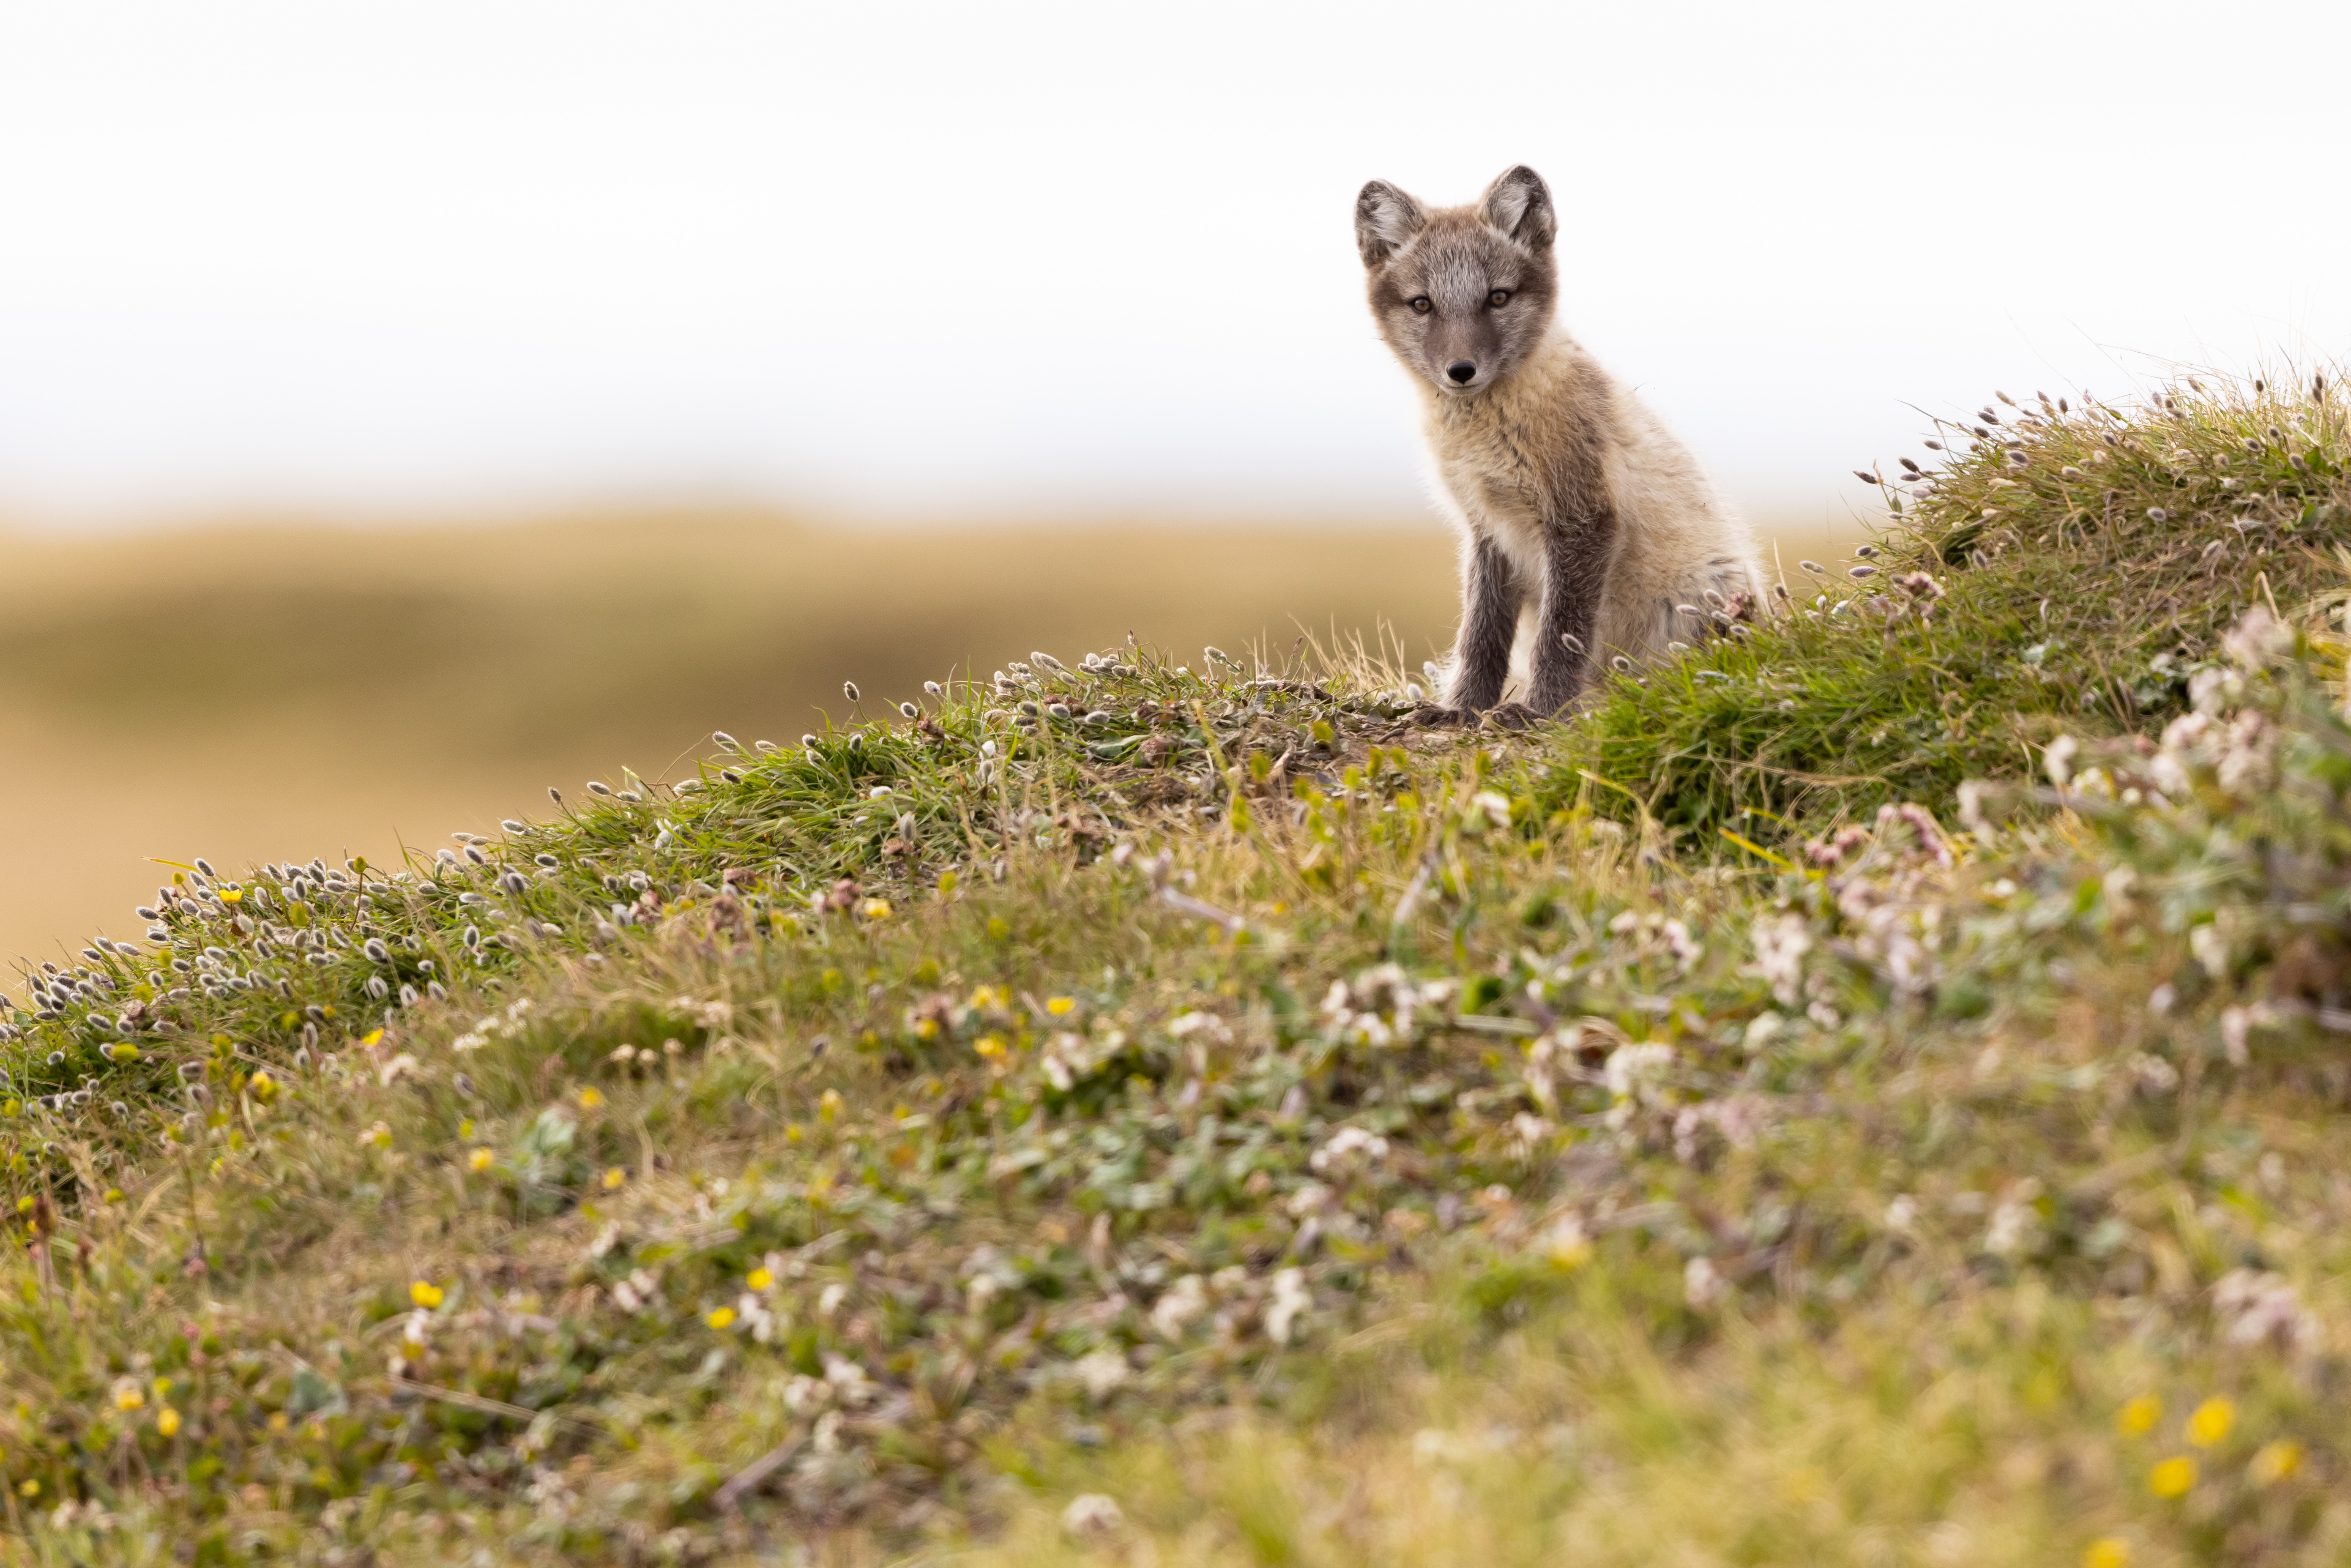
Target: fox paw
1514 715
1433 717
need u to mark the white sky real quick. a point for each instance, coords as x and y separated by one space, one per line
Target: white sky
946 259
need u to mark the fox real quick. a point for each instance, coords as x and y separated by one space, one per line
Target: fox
1583 523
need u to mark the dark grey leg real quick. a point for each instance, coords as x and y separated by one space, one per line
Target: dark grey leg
1489 622
1575 574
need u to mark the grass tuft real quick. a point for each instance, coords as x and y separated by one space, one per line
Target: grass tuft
2056 571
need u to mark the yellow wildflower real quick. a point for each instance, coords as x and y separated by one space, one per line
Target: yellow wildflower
876 909
479 1160
990 1047
1060 1006
614 1178
127 1397
828 1105
2275 1462
426 1294
758 1279
262 1087
2172 1477
721 1317
2211 1421
927 1029
2106 1552
2137 1416
591 1097
370 1040
167 1421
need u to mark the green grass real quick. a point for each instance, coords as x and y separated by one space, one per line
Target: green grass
2084 563
1327 1141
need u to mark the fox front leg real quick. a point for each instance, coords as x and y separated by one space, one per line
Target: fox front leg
1482 651
1575 574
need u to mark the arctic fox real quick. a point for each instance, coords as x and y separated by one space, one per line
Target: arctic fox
1578 510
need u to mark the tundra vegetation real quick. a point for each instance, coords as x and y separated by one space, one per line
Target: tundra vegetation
1865 1090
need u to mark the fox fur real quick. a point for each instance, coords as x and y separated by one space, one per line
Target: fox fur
1584 524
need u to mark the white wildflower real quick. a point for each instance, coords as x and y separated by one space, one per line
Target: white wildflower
2255 1306
1781 945
850 1384
2257 639
1290 1302
1529 1133
2210 945
1101 1372
1092 1516
2214 692
803 1393
1182 1301
1349 1149
2152 1075
1487 808
1632 1069
1186 1025
1702 1285
2015 1228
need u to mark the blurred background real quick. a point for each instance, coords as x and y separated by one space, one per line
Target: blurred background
404 408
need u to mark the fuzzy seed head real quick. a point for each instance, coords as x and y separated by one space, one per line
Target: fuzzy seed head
910 710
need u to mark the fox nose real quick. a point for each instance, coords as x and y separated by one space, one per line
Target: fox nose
1462 371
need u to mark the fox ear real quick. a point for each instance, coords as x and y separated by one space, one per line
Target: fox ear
1385 221
1519 203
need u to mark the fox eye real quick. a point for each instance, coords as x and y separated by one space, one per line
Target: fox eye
1500 296
1420 305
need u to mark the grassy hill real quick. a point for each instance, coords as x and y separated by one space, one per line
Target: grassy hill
1865 1092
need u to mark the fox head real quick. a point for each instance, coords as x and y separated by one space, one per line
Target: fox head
1461 294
